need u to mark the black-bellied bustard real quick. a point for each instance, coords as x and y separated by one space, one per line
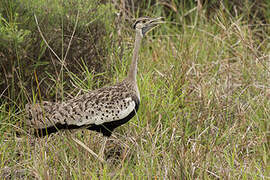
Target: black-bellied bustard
101 110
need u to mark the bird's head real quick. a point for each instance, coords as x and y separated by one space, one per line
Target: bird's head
144 25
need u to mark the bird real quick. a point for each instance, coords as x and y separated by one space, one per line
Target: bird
101 110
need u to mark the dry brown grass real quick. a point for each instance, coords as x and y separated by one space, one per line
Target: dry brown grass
204 110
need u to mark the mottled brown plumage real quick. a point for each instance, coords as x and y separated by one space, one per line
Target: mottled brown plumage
101 110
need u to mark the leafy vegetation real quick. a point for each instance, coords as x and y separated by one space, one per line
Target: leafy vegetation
203 79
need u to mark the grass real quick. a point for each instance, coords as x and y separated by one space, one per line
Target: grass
204 110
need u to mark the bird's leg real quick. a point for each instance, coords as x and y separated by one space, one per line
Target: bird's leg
101 152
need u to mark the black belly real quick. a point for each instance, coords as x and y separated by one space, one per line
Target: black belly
106 128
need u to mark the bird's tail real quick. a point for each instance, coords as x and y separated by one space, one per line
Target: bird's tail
38 115
46 118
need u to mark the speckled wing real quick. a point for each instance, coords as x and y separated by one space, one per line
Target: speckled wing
94 108
88 112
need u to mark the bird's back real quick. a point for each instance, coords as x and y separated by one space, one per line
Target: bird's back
100 110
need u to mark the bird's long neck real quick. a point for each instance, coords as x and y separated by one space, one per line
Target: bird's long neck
133 66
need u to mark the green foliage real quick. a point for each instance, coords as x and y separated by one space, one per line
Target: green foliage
203 80
9 32
70 28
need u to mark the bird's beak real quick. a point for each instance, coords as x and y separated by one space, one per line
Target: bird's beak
151 24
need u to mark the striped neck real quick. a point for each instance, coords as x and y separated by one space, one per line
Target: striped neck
133 66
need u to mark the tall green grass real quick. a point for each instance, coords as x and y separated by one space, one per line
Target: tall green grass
204 110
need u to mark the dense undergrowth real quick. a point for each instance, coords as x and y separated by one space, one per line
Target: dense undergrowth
203 79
